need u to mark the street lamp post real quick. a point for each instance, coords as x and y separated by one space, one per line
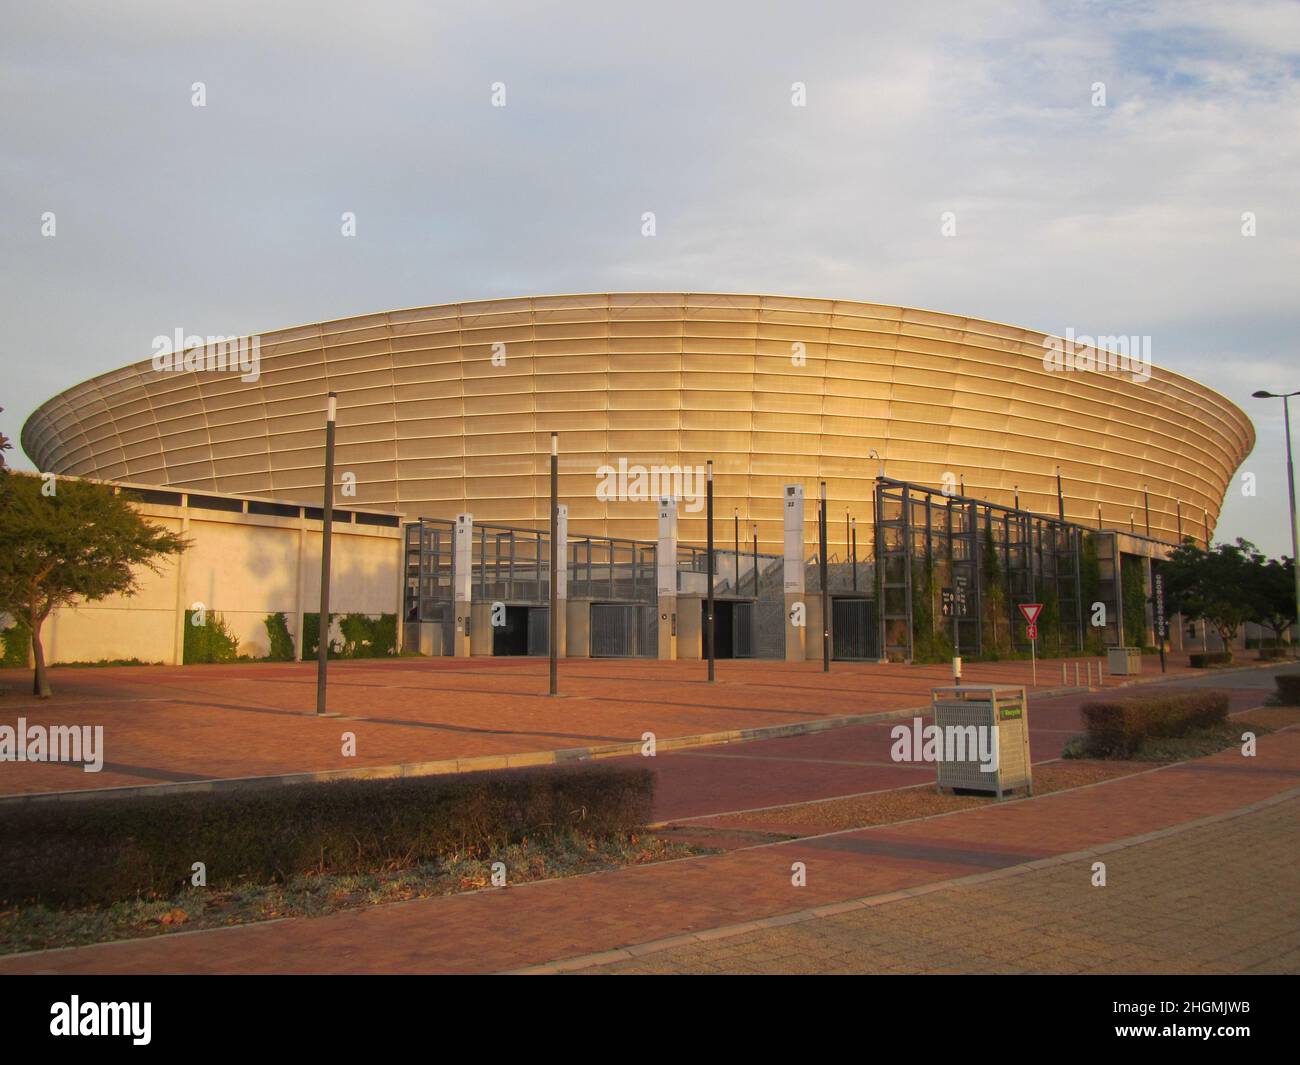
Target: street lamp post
736 518
825 576
708 551
326 528
1290 481
853 547
554 561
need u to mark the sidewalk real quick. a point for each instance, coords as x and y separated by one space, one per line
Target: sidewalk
1219 898
198 726
713 896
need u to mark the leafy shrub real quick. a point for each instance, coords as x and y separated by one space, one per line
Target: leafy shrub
209 642
108 850
367 637
1117 728
17 642
1288 689
277 631
1210 658
363 636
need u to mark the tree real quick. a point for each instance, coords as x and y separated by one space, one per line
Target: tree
69 540
4 445
1274 594
1216 585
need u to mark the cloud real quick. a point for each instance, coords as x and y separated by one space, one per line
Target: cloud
1118 219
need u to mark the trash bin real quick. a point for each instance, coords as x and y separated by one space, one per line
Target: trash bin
1124 661
982 718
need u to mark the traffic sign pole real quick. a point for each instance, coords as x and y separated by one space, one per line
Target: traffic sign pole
1030 611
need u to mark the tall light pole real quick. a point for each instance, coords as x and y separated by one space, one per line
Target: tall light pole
853 548
326 528
826 595
735 512
709 553
556 548
1290 481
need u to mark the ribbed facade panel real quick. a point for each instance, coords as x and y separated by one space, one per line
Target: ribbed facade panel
772 388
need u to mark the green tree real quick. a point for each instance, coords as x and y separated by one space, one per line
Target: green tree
994 595
1274 593
1218 585
1134 600
64 541
1090 584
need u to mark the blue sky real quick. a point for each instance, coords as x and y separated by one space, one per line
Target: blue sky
1115 220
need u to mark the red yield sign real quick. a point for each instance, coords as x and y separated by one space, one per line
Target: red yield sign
1031 612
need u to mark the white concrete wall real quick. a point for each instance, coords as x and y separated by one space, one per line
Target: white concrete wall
242 566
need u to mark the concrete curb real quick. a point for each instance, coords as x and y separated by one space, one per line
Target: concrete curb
586 961
481 763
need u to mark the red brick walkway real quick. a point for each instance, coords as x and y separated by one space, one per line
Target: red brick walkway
532 924
169 724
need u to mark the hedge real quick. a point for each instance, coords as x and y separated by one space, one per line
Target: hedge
1210 658
278 638
1288 688
1117 728
17 643
209 641
101 851
363 636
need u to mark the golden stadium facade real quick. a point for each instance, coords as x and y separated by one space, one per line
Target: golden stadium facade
450 408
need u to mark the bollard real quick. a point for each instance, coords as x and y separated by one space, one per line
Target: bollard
1089 665
1076 674
1064 682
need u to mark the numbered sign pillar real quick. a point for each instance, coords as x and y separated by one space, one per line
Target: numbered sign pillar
462 573
666 578
796 601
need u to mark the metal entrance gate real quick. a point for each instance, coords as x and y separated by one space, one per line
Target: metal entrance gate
854 632
742 630
539 630
623 630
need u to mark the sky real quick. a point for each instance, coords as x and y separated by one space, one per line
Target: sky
1122 219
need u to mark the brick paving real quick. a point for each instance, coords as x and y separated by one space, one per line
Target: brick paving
168 724
551 921
1218 899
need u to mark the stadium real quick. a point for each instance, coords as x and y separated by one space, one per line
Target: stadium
449 408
